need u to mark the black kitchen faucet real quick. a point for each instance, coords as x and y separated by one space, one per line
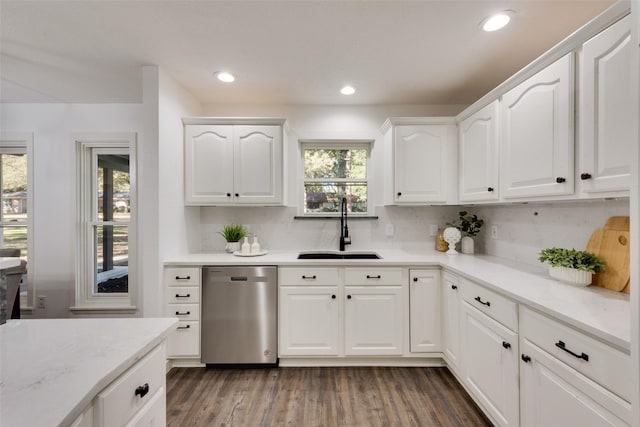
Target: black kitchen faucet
344 228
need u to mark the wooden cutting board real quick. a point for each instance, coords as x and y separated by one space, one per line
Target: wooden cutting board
611 244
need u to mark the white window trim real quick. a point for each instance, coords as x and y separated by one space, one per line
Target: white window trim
337 144
85 298
22 142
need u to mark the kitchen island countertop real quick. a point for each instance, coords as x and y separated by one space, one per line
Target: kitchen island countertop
51 369
600 312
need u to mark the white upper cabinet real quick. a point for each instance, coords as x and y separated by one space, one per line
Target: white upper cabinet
478 148
537 134
421 160
605 114
230 164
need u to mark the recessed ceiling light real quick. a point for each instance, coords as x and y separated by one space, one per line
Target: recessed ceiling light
347 90
495 22
225 77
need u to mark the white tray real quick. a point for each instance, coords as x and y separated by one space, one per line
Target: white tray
238 253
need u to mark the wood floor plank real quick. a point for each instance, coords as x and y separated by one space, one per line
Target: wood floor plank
322 397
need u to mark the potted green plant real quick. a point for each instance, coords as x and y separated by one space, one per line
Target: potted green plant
469 226
571 266
232 233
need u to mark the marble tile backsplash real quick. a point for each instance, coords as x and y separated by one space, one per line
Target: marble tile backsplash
523 229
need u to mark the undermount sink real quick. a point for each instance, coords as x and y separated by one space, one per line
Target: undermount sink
338 255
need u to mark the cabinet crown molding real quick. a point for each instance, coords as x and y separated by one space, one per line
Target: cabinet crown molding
279 121
396 121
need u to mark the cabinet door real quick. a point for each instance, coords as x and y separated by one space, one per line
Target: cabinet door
553 394
258 168
537 140
606 113
153 414
451 319
424 311
420 163
309 321
373 320
490 365
208 164
478 141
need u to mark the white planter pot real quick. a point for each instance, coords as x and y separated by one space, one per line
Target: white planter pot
231 247
571 275
466 245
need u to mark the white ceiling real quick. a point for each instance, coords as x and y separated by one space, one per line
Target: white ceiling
282 52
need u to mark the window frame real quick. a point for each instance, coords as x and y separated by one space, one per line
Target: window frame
22 143
333 144
88 147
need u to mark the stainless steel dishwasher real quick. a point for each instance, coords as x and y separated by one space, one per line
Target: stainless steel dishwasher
239 316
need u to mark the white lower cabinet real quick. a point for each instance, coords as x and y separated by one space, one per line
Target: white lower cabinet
424 311
451 319
182 287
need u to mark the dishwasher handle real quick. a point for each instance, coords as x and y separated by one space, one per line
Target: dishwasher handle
238 278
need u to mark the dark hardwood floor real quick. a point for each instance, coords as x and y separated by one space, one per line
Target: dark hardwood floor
354 396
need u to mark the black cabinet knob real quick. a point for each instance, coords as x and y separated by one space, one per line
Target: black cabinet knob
585 176
560 180
142 390
490 189
525 358
333 297
454 287
415 279
237 195
228 194
348 296
399 194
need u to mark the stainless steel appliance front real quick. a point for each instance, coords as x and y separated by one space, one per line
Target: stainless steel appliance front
239 315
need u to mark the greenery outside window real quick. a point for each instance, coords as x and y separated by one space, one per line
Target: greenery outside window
105 276
333 170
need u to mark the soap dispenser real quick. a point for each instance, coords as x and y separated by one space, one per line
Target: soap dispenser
246 247
255 246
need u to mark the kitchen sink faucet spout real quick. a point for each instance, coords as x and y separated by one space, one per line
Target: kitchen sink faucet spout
344 228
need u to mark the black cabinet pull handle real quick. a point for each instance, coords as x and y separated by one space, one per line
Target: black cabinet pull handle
525 358
333 297
399 193
186 313
142 390
183 296
490 189
562 346
560 180
375 277
585 176
506 345
228 194
454 287
184 327
488 303
308 277
183 278
348 296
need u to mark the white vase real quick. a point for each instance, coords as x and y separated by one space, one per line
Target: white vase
571 276
451 236
231 247
466 245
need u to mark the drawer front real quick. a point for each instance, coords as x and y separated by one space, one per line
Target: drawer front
596 360
491 303
375 276
182 276
185 340
183 294
130 392
316 276
183 311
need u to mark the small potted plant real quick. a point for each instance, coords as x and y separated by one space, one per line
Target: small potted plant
571 265
469 226
232 233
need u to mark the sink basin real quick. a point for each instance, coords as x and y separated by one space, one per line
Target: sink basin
338 255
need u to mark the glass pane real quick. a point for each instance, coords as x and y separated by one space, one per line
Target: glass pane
326 197
14 187
16 238
111 259
113 187
344 163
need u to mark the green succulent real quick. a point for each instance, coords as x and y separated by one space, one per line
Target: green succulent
572 258
467 224
233 232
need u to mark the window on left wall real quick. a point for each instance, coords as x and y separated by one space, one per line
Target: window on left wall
106 211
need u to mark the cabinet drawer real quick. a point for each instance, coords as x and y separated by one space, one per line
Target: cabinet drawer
491 303
374 276
183 311
182 276
309 276
183 294
607 366
130 392
185 340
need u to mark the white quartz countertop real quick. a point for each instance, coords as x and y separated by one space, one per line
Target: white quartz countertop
600 312
8 262
51 369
